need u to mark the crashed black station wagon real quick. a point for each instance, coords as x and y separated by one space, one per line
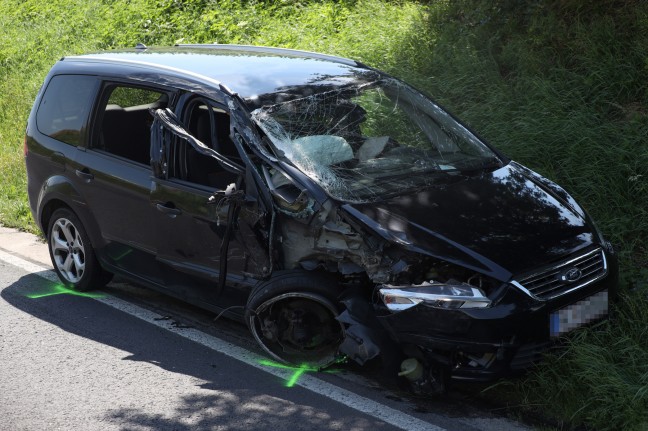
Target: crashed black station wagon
336 210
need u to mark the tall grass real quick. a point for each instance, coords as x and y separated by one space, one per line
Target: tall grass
35 35
601 378
561 86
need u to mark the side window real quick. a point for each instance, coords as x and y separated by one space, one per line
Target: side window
210 125
63 110
124 122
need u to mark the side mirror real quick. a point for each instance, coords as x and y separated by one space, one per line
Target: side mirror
286 195
290 198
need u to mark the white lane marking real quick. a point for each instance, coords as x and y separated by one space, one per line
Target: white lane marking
379 411
28 266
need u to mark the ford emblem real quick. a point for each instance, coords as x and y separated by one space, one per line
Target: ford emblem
572 275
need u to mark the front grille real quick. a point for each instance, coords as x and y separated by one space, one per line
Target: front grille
564 277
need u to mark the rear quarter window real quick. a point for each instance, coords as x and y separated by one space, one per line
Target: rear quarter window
64 108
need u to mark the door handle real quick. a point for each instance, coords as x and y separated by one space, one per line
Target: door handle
85 174
168 209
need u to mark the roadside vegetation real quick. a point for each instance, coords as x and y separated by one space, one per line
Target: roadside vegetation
559 85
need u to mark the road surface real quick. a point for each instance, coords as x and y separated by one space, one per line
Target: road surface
125 358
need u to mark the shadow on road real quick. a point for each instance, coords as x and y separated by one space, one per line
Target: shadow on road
231 412
240 397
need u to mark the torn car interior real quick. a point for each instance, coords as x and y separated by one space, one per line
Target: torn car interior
335 210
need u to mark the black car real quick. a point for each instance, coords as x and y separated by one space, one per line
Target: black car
336 210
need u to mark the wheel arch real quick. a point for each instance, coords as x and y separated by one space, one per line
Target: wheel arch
288 288
59 192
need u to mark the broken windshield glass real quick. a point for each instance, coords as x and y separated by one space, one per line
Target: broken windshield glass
366 141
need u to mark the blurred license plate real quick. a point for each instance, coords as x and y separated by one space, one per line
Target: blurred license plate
578 314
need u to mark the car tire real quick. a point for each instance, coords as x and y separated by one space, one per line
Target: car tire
293 317
72 254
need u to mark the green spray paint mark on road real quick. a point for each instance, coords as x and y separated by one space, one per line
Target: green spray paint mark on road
298 371
59 289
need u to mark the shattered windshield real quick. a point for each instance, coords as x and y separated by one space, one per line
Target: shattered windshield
371 139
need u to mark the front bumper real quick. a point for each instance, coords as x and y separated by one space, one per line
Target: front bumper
487 343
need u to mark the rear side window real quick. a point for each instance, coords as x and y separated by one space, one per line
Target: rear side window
131 97
64 108
124 126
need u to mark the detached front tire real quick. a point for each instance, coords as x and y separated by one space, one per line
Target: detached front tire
293 317
72 254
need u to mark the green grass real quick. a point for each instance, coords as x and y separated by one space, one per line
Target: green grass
560 86
600 379
38 33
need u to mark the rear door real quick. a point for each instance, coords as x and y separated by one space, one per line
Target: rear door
114 175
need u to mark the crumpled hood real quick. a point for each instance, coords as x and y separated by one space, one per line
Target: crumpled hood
499 223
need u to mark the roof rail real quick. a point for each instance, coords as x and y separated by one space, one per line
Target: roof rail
271 50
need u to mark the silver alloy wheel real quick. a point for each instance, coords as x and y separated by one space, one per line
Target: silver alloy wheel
67 250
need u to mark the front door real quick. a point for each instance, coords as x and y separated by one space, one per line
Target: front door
197 194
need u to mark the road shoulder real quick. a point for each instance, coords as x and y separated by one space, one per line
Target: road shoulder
24 244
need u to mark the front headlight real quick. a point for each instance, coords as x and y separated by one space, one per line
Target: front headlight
439 295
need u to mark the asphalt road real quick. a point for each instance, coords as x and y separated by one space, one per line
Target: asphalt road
125 358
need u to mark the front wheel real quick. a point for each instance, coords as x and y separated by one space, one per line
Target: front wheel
293 317
72 254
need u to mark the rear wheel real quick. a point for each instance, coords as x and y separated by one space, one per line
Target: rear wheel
72 254
293 317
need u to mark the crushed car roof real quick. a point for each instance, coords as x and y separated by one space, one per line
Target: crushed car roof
245 70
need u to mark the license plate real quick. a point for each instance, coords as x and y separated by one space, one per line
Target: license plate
578 314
